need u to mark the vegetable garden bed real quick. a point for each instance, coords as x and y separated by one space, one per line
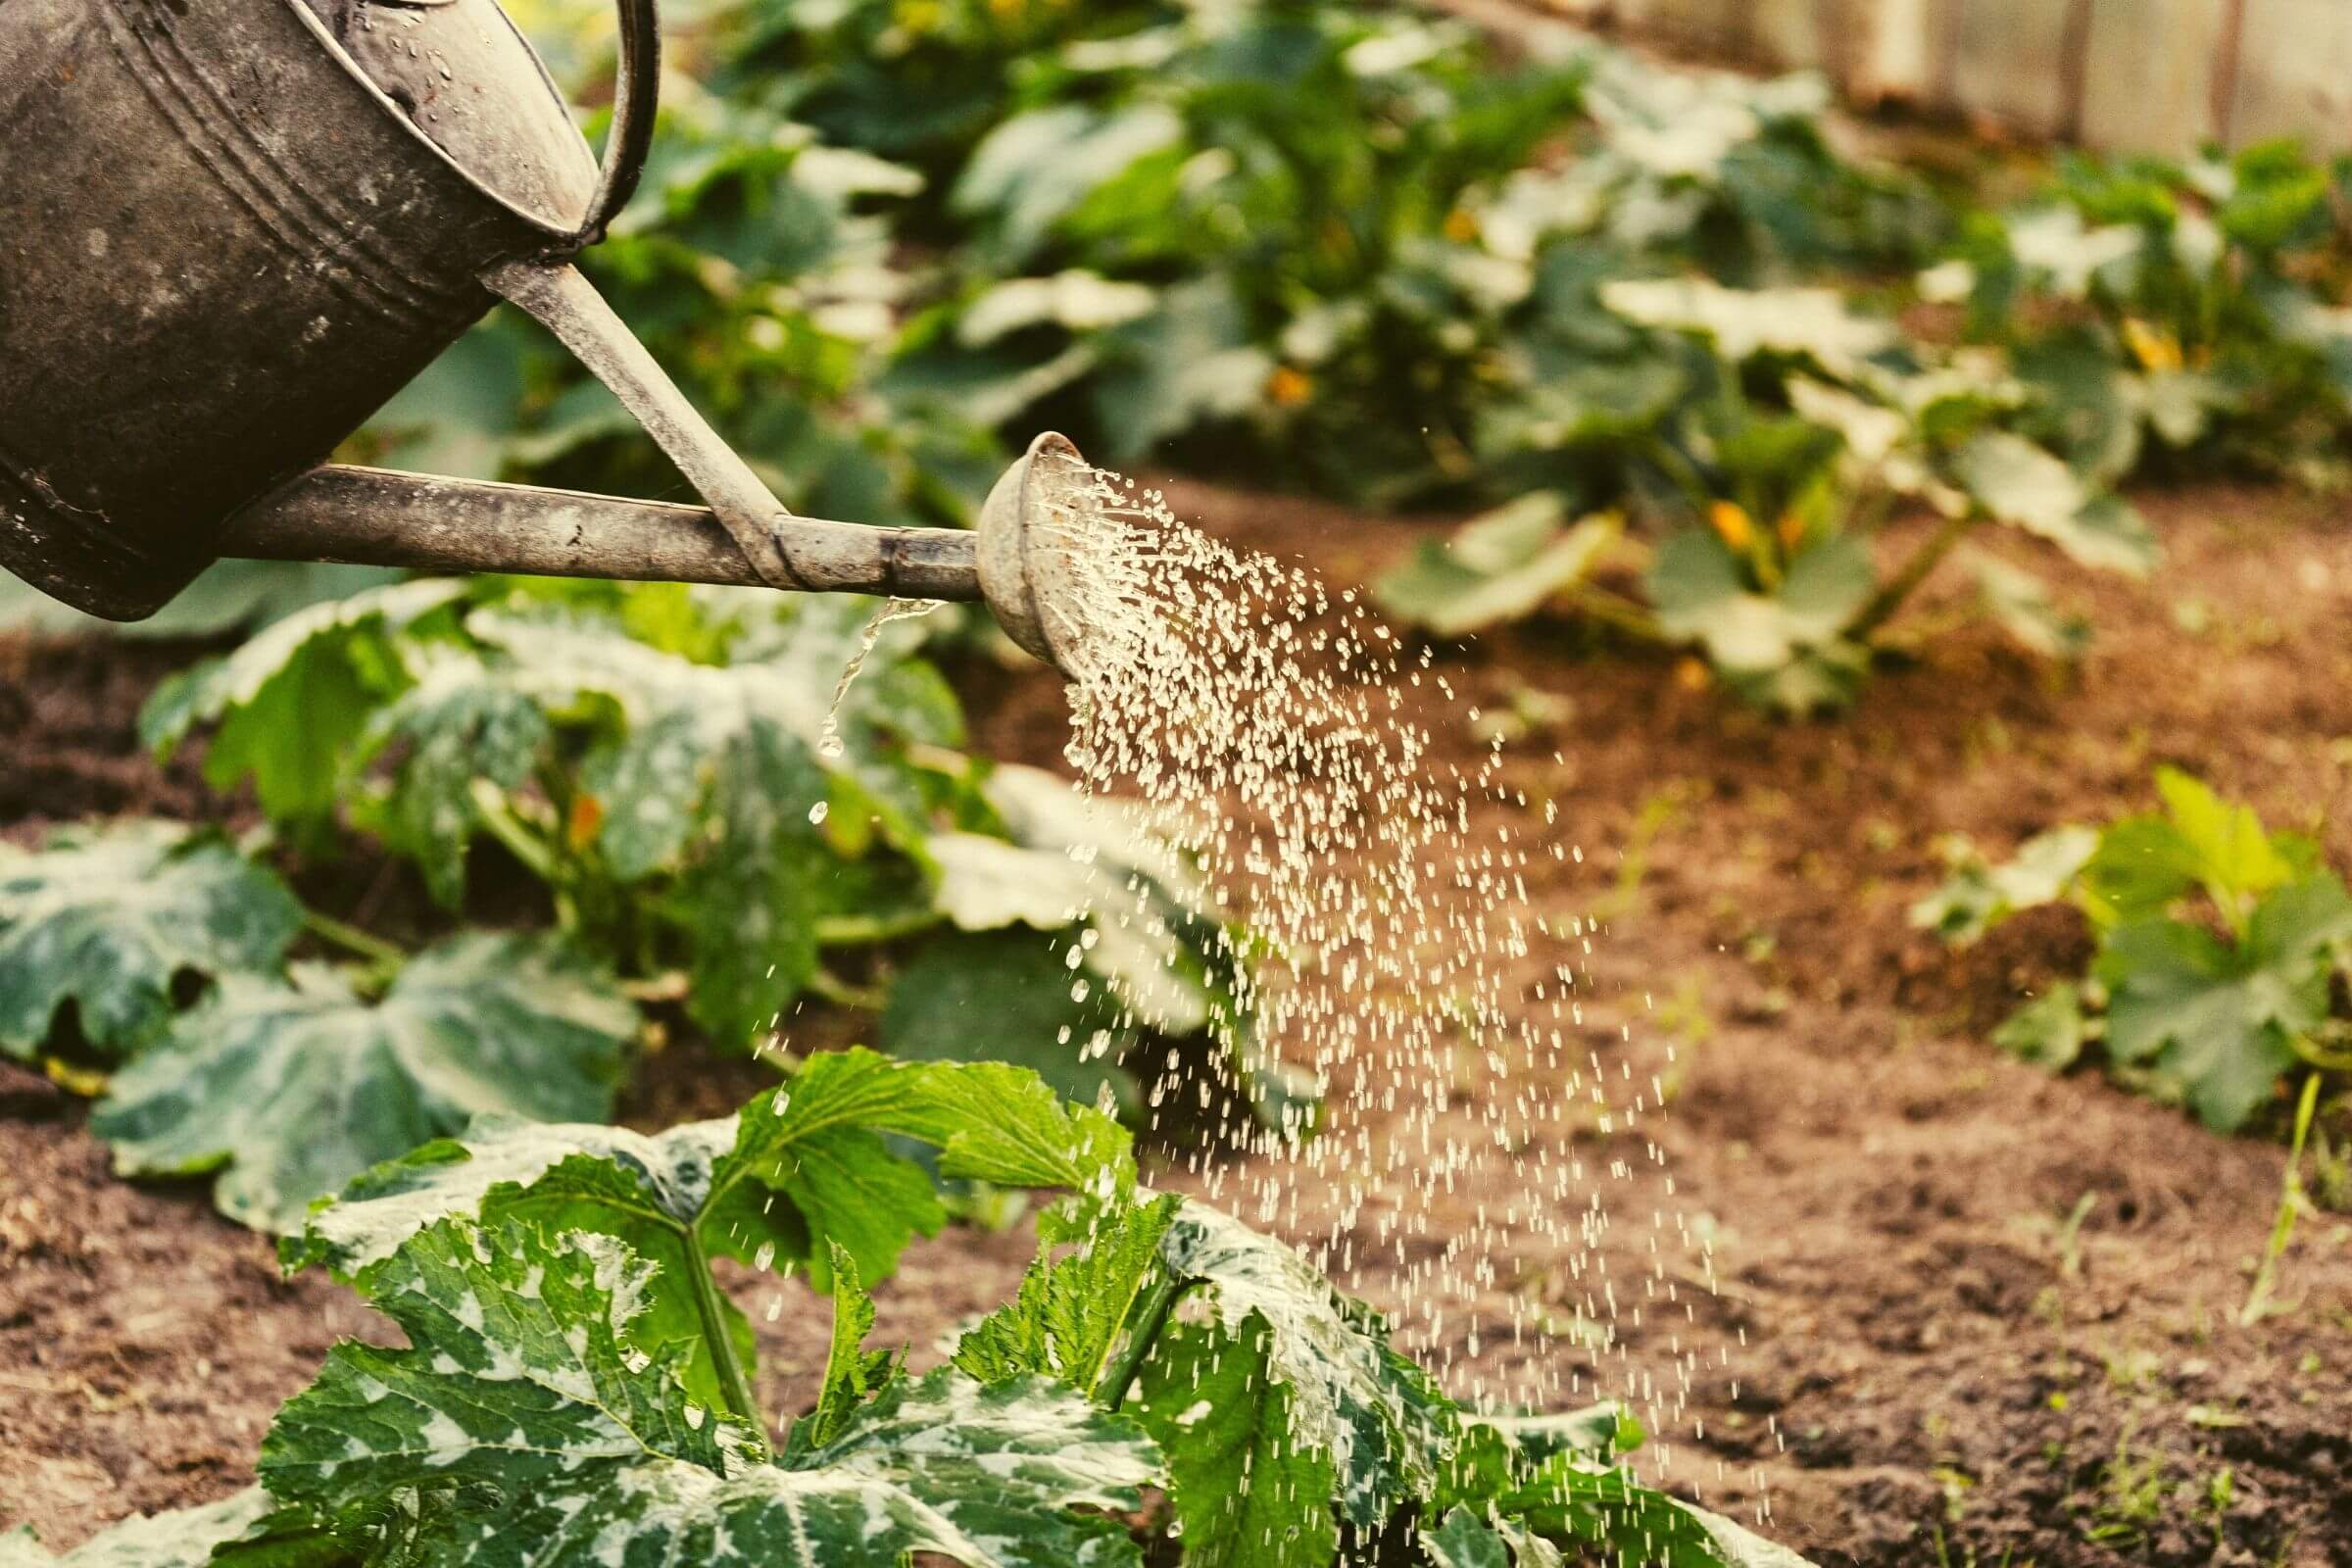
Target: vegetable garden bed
1966 1308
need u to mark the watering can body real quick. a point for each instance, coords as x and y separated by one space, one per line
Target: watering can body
231 229
223 245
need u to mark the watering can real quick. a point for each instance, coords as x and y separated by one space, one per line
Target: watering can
231 229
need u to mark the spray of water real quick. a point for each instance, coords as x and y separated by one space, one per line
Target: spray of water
1268 727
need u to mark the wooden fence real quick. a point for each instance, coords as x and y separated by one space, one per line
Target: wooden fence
2153 76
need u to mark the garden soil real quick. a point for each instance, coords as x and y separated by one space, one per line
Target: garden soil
1965 1313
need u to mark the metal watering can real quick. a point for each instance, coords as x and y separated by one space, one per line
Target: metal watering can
231 229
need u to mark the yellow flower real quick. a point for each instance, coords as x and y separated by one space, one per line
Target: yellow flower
2154 348
1460 227
1730 523
1692 675
1288 389
587 815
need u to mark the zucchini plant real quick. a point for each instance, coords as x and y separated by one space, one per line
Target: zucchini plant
576 1388
2222 949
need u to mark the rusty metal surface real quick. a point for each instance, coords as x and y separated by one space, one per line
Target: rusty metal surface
222 248
377 517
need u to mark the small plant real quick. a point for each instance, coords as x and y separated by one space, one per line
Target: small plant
2217 941
576 1389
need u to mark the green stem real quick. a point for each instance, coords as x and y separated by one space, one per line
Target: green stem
1616 612
841 993
733 1384
499 818
1158 1300
1914 572
351 939
868 930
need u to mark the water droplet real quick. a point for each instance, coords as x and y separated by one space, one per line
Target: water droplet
817 813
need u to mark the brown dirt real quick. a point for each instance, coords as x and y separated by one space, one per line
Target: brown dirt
1912 1355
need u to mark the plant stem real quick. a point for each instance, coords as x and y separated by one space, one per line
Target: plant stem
733 1384
1118 1377
867 930
2291 1201
1914 572
351 939
841 993
1617 612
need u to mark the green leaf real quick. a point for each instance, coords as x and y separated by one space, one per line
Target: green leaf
1005 995
1812 323
2144 864
2220 1018
535 1425
291 703
290 1090
462 720
1696 584
1461 1541
1978 895
797 1167
2020 483
1498 567
2049 1031
1373 1417
184 1537
1252 1484
1192 362
1073 1312
108 918
854 1375
1034 168
2021 604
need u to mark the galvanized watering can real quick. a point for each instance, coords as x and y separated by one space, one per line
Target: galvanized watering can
231 229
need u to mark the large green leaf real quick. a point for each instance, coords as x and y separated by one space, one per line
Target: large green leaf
796 1170
291 1090
1788 647
1812 323
2144 864
1006 996
2021 483
1252 1484
291 703
109 918
2219 1018
1498 567
534 1423
1380 1425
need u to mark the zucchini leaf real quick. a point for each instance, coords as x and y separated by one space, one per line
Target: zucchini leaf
290 1089
109 919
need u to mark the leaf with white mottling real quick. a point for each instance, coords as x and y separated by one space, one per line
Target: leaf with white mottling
297 1087
291 703
184 1537
540 1427
108 918
1382 1425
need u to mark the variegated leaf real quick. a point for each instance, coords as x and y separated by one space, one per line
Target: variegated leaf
291 1090
541 1425
107 919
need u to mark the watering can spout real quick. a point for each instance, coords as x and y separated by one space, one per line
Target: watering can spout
1015 562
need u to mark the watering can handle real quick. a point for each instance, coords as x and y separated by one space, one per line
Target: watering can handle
636 95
